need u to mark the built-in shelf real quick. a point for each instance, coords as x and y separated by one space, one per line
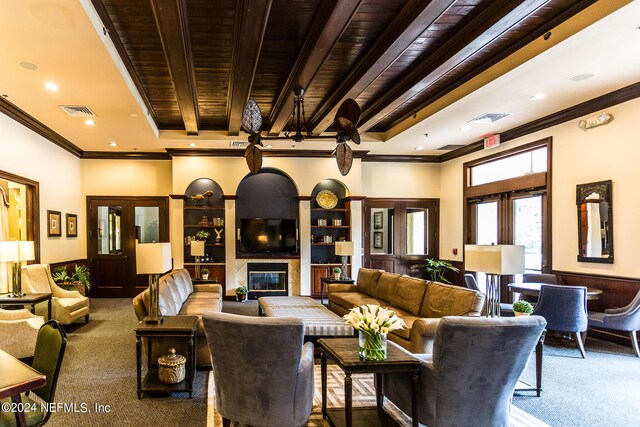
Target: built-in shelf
207 208
203 226
329 226
329 210
209 244
324 244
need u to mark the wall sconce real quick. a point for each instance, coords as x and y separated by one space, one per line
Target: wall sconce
592 122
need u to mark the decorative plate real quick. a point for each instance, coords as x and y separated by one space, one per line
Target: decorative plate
327 199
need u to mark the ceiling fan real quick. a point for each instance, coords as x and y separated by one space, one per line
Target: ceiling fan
345 124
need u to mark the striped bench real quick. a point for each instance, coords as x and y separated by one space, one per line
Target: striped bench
318 320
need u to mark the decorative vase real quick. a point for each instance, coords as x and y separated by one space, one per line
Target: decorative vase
372 345
336 276
205 276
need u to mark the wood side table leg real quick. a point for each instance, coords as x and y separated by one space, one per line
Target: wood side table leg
415 402
539 347
139 365
323 370
379 396
348 399
49 307
192 363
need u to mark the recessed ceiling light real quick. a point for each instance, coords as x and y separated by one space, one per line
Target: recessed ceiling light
113 144
268 146
465 127
419 147
89 122
581 77
51 86
193 144
133 115
538 96
28 65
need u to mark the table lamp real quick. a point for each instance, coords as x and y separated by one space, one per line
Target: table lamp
16 252
197 250
345 250
153 259
494 261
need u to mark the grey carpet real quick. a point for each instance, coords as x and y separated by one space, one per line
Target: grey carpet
99 367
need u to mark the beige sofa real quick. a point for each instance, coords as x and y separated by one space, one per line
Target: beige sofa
178 296
419 303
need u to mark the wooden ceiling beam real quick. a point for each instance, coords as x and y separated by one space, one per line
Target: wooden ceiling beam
173 27
251 24
488 26
328 26
414 18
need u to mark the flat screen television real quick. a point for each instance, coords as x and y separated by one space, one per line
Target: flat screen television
268 236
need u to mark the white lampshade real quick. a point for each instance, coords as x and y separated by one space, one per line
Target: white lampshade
494 259
344 248
17 251
197 248
153 258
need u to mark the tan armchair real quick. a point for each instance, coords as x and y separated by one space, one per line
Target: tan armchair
19 332
66 306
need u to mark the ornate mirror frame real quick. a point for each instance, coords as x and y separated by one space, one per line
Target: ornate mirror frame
594 203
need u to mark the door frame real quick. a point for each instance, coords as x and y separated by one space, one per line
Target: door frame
128 246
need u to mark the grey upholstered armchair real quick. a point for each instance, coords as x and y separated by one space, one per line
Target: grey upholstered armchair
620 319
471 376
263 373
565 310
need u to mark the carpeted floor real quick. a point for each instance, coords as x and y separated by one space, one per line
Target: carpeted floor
99 368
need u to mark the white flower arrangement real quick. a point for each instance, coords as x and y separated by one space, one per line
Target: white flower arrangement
372 318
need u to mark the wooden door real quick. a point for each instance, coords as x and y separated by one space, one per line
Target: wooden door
399 233
317 273
114 225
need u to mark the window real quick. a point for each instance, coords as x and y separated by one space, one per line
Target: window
510 167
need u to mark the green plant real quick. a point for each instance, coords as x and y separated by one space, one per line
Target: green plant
202 235
337 270
436 269
204 271
523 306
242 290
80 274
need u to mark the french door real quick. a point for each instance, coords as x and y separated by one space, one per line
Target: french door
399 233
114 225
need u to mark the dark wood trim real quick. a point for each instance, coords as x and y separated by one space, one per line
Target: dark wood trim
548 26
354 198
520 183
330 22
509 152
401 158
33 208
125 155
610 99
487 27
229 197
603 277
172 21
414 18
251 24
178 196
30 122
304 198
236 152
110 29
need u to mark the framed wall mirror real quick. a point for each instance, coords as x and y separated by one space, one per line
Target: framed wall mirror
595 222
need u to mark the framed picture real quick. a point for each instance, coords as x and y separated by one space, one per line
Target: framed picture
377 240
72 225
54 226
377 220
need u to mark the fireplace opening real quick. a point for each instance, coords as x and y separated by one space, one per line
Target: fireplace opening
267 279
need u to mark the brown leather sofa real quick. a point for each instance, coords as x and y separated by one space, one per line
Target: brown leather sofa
420 303
178 296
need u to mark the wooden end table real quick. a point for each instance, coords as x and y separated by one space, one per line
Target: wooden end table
27 299
344 351
17 378
184 327
327 280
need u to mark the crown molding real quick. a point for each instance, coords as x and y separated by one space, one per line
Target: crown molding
239 152
126 155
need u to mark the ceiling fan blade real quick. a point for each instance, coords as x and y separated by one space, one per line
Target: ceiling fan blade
350 110
344 158
254 159
343 125
248 149
251 117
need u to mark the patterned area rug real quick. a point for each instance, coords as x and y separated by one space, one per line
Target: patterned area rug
363 395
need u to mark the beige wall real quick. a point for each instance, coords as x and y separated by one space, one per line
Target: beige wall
401 180
126 178
606 152
27 154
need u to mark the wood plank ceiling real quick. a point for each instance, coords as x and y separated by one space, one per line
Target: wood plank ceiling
196 62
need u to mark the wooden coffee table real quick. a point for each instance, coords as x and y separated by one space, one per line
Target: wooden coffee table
344 351
27 299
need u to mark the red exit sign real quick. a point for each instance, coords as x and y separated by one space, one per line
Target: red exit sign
492 141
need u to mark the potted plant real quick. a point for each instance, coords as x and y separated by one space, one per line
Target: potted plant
202 235
204 273
241 293
336 272
436 269
522 308
80 280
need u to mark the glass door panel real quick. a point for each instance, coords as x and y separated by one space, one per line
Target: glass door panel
109 230
486 232
417 228
147 219
527 231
